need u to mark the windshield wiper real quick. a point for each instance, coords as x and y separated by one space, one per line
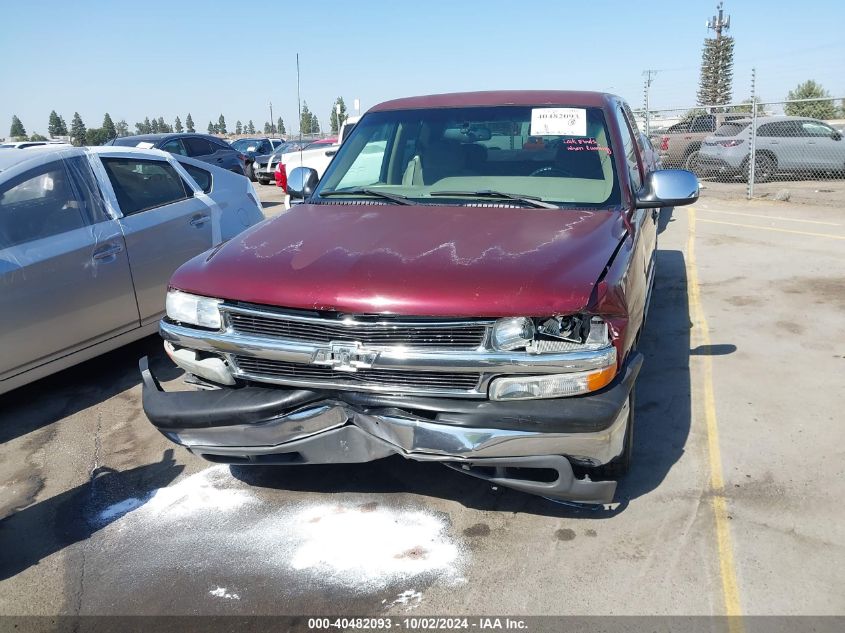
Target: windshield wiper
531 201
357 191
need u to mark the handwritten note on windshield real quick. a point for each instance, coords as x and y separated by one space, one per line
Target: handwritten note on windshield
585 145
558 122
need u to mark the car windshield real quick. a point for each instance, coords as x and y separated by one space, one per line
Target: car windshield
246 144
557 154
731 129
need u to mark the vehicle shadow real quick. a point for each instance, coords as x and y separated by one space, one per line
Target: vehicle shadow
663 417
32 534
60 395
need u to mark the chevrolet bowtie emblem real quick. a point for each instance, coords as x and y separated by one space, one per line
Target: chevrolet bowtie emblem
344 357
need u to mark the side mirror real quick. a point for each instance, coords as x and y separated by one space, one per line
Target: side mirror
668 188
301 182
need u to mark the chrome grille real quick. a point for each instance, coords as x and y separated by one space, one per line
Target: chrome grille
452 336
421 380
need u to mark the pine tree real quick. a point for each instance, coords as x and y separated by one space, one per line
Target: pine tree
268 129
221 125
238 127
189 124
210 127
335 120
77 130
122 128
717 60
148 127
54 125
154 126
96 136
62 130
177 125
305 119
163 127
108 127
17 128
250 127
815 109
280 126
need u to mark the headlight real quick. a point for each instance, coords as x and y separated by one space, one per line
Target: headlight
512 333
193 309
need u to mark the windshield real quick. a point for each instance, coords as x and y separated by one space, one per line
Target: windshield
731 129
245 144
556 154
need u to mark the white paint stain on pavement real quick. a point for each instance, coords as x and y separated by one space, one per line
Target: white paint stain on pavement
222 592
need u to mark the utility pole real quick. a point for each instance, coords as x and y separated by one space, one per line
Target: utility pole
272 121
649 75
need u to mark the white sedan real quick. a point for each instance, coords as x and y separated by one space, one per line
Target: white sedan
89 238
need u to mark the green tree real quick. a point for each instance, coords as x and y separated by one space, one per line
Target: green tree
335 120
717 60
56 126
177 124
122 128
816 109
189 124
154 126
250 127
108 127
17 128
305 119
221 125
163 127
77 130
745 106
239 128
37 137
280 126
96 136
268 129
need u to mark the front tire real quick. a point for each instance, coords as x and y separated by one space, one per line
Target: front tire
263 181
765 168
691 162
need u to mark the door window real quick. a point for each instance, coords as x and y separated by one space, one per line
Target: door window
630 149
812 128
174 146
87 189
198 146
705 123
141 184
37 204
200 176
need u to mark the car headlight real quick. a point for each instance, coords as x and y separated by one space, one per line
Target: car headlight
570 333
184 307
512 333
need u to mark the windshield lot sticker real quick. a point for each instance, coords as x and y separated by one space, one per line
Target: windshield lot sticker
558 122
585 145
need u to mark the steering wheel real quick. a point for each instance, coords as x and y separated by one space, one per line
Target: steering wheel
551 172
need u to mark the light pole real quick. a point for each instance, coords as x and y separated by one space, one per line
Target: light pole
272 124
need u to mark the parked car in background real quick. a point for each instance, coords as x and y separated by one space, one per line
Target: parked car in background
252 148
783 144
265 166
316 156
444 293
26 144
204 147
88 240
678 146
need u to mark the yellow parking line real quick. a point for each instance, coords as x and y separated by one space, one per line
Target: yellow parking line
772 228
772 217
730 587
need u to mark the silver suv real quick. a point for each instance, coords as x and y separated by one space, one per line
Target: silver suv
784 144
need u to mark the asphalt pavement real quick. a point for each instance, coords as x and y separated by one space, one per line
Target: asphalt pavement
732 505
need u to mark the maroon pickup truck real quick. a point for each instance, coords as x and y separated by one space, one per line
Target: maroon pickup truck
465 285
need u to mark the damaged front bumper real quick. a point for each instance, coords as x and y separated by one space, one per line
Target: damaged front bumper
503 442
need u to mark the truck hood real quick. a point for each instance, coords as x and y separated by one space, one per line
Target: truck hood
422 261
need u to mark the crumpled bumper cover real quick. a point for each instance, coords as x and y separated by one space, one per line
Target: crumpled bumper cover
272 425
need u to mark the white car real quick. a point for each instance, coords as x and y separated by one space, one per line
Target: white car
89 238
28 144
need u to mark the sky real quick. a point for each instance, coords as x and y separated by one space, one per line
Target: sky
166 58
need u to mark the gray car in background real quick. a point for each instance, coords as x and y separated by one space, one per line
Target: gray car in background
89 238
204 147
783 144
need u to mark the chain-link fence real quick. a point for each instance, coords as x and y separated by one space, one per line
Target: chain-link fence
786 141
